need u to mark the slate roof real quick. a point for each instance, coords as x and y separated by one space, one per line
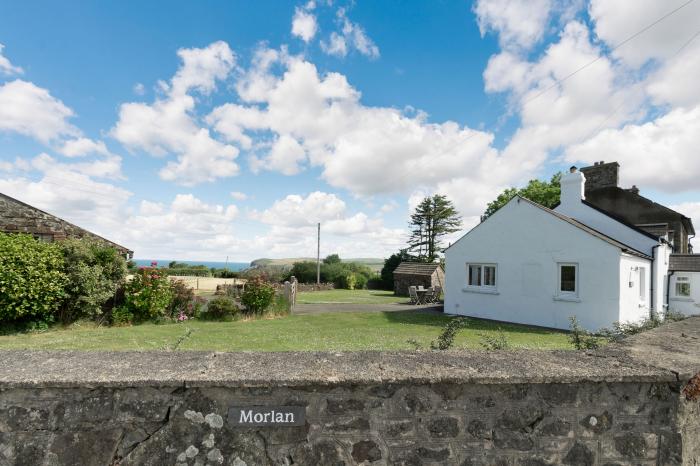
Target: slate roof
587 229
684 263
416 268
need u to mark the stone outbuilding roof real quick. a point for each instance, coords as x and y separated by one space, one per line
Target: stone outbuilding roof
416 268
684 263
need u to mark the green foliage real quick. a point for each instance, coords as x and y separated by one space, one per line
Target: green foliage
581 338
360 281
347 281
546 193
332 259
184 305
220 308
447 337
496 342
433 218
94 273
257 296
32 279
621 330
148 295
122 316
390 264
280 306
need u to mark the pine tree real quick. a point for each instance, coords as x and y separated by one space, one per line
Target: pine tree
433 218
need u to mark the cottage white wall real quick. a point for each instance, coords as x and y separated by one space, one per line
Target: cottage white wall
633 308
688 306
572 188
662 255
526 243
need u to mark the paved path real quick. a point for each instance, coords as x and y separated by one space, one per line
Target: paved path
347 307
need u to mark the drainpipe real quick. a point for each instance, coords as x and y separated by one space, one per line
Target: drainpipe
652 306
668 288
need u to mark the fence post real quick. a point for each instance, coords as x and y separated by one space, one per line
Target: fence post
294 291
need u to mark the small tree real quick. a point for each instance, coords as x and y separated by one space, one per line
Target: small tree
390 264
433 218
148 295
332 259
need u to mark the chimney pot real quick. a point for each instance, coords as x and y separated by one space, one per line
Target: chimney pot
573 169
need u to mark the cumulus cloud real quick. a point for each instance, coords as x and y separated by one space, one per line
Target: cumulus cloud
239 196
304 24
518 23
168 126
82 146
6 67
28 109
351 36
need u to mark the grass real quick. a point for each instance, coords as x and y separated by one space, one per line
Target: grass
348 331
349 297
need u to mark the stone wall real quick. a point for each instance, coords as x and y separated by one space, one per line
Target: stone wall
636 403
18 217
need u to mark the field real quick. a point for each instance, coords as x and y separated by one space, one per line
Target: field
349 331
375 264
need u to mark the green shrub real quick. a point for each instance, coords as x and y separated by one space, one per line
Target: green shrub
258 296
360 281
32 280
581 338
347 281
280 306
182 305
148 295
496 342
449 331
122 316
220 308
94 271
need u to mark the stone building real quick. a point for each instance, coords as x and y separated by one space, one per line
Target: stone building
417 274
18 217
627 205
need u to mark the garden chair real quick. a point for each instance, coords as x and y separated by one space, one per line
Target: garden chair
429 296
436 294
413 294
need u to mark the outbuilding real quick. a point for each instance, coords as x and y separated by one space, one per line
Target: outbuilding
425 274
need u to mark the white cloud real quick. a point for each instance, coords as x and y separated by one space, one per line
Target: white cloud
661 153
616 21
304 24
6 67
31 110
239 196
139 89
168 126
351 36
82 146
297 211
286 156
518 23
676 82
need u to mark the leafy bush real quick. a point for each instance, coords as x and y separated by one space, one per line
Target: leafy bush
219 308
347 281
449 331
148 295
496 342
581 338
280 306
94 272
360 281
122 316
183 305
390 264
32 280
257 296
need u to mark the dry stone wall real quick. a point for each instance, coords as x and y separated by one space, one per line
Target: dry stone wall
637 403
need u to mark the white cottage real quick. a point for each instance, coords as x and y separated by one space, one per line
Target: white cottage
533 265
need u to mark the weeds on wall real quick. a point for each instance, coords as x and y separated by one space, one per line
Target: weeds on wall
496 342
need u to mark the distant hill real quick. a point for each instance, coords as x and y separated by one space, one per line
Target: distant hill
373 263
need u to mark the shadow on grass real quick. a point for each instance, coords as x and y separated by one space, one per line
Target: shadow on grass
432 319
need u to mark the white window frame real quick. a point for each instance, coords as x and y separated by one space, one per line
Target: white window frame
568 294
482 273
682 279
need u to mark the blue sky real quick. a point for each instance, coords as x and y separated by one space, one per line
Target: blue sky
200 130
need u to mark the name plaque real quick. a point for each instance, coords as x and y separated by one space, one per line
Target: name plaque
256 416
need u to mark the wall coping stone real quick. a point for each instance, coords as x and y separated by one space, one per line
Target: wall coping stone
667 354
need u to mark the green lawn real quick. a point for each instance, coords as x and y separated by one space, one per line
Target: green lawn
337 332
350 297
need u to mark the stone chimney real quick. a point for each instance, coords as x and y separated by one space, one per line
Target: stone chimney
602 175
572 189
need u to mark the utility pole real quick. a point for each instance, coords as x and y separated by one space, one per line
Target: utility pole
318 255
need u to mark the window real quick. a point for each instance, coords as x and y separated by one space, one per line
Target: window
568 279
683 287
481 275
642 283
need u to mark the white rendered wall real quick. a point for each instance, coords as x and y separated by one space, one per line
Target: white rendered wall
571 205
526 243
661 262
634 308
688 306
